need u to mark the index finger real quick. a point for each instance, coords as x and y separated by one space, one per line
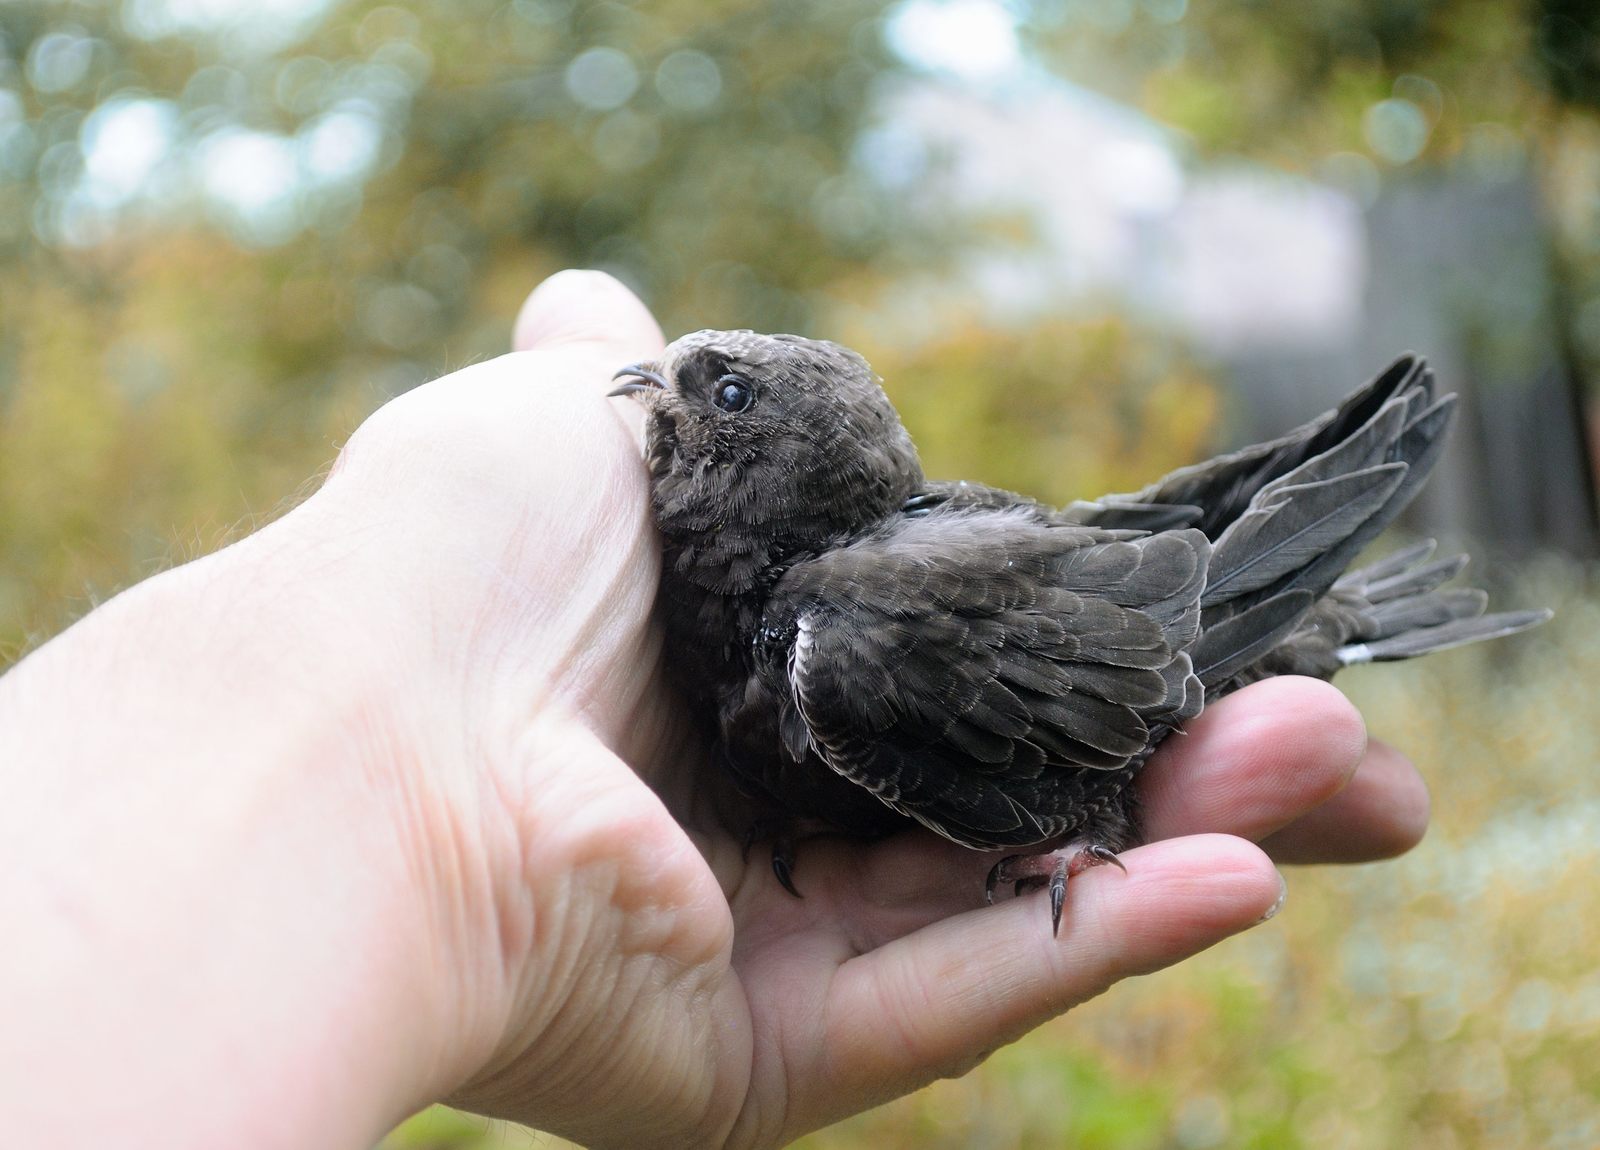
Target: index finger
1287 763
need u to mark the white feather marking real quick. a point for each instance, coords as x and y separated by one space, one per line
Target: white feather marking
1354 653
845 755
804 640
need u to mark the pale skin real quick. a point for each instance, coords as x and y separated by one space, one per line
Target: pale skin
389 803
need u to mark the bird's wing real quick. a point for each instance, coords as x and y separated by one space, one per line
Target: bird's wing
1113 512
968 666
1225 486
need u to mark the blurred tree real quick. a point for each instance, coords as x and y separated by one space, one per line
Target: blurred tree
1467 128
1367 92
1060 410
1300 82
227 233
683 147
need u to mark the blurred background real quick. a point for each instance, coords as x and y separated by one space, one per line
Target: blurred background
1083 240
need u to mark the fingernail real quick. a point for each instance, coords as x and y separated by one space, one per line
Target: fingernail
1277 903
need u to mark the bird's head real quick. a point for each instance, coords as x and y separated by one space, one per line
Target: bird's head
794 435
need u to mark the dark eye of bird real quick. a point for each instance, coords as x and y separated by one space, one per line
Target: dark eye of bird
734 394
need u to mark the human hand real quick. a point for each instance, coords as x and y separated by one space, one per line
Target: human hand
676 995
390 802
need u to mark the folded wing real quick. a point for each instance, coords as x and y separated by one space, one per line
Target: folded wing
973 668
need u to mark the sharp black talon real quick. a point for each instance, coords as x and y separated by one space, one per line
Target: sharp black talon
1058 896
993 881
1102 854
785 873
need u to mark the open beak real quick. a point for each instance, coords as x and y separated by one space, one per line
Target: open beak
641 377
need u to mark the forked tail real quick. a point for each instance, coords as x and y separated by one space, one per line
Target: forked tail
1401 611
1295 515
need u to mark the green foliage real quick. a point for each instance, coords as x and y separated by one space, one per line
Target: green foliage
700 151
1060 410
170 371
1296 82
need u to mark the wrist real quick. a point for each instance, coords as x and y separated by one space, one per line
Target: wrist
212 766
400 726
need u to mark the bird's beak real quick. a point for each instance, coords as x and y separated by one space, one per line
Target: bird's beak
642 377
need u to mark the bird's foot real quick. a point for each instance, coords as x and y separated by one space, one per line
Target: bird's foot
1051 870
785 835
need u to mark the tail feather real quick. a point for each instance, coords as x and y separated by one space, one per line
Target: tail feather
1431 610
1394 563
1290 516
1402 584
1426 640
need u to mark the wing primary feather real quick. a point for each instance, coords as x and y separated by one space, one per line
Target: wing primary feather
1297 528
1228 647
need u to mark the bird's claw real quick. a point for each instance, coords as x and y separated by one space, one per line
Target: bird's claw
783 865
784 834
1049 870
1098 855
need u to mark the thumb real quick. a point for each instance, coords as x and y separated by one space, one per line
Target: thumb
589 309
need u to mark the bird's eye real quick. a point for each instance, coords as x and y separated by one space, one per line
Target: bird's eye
734 394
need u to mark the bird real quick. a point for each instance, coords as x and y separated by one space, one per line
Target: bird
872 650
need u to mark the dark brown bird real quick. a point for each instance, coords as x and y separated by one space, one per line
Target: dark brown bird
873 649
